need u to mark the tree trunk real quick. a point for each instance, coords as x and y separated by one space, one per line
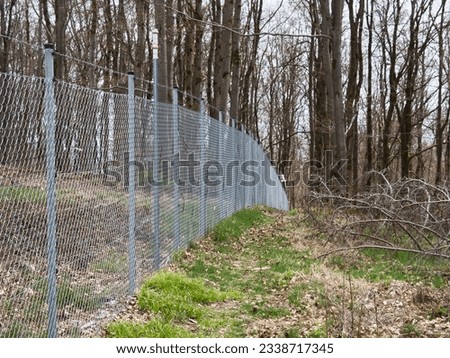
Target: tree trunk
160 23
339 121
60 42
214 48
369 125
393 81
311 101
189 53
354 83
48 24
92 41
139 57
198 55
5 120
235 62
170 35
439 127
222 80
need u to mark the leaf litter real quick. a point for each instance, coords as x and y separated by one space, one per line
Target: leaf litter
324 301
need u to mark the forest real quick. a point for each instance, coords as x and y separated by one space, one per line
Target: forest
352 90
350 101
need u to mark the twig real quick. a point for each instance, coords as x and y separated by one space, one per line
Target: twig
409 215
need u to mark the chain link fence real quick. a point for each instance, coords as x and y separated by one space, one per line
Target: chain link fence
98 190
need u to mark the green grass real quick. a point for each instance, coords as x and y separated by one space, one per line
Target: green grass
119 197
239 277
293 332
189 218
403 266
228 323
319 332
36 195
174 299
282 258
224 275
293 212
441 311
113 263
315 289
410 330
16 330
234 226
379 265
273 259
22 194
276 264
82 297
156 328
176 296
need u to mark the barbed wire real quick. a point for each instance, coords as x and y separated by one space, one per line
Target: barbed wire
22 42
84 62
239 33
209 107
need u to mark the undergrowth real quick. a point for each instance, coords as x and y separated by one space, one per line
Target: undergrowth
179 298
385 266
248 271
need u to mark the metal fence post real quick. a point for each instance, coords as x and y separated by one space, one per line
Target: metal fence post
261 175
220 158
255 157
242 159
131 188
176 170
203 139
264 177
49 120
156 183
234 157
252 188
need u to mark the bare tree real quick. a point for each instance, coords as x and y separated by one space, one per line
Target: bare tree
222 76
6 23
60 37
414 54
339 121
140 58
160 23
439 124
93 40
369 120
249 72
235 62
354 83
330 108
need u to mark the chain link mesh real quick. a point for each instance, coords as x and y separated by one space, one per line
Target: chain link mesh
190 172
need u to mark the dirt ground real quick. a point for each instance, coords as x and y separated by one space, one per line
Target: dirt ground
353 307
333 302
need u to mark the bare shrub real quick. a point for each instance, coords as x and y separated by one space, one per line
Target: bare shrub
408 215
